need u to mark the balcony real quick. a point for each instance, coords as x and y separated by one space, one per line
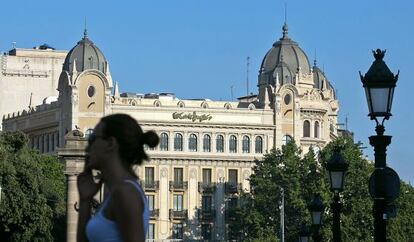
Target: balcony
231 187
206 187
151 185
206 214
155 213
178 214
178 186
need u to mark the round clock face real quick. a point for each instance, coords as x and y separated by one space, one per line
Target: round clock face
91 91
287 99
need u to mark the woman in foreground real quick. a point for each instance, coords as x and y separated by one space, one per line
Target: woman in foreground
116 144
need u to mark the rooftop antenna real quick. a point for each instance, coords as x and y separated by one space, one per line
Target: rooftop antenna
85 31
285 27
346 122
231 92
247 75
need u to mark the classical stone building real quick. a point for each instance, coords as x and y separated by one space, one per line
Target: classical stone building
28 77
207 147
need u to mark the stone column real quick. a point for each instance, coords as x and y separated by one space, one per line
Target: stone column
219 224
164 204
193 200
72 214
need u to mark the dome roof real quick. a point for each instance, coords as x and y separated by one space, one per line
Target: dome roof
285 51
86 55
319 77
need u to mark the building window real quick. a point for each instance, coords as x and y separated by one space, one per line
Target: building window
233 144
206 203
46 149
178 142
164 142
151 231
149 176
178 202
286 139
88 132
287 99
233 176
246 144
316 129
192 143
306 128
178 175
207 143
206 231
52 140
150 199
177 231
220 143
258 145
206 176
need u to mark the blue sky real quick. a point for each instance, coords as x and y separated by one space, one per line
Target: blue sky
198 48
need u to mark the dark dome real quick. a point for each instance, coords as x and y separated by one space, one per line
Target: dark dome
87 56
319 78
285 51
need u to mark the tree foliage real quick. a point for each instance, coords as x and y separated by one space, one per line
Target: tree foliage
301 176
32 206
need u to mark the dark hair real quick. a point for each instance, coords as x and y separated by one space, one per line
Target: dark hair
130 137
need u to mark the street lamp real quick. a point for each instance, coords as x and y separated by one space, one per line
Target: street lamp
304 233
316 209
336 167
379 83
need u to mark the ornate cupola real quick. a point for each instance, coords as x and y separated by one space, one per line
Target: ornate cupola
86 56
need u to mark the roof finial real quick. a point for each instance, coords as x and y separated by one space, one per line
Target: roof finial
85 31
314 60
285 26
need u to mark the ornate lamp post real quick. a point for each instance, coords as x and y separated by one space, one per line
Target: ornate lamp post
379 83
316 209
304 233
336 167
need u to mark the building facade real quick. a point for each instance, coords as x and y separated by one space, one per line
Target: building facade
28 77
207 148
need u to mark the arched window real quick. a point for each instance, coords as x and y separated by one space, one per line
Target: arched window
246 144
88 132
258 145
286 139
220 143
316 129
178 142
233 144
306 128
206 143
164 142
192 143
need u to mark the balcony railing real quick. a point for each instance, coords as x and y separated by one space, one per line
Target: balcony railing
206 187
178 185
206 214
233 187
182 214
151 185
155 213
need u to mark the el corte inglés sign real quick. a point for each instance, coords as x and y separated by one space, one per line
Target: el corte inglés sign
192 116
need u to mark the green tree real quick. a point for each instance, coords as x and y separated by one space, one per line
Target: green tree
259 216
301 177
32 206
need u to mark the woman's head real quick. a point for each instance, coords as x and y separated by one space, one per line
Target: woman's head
129 137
